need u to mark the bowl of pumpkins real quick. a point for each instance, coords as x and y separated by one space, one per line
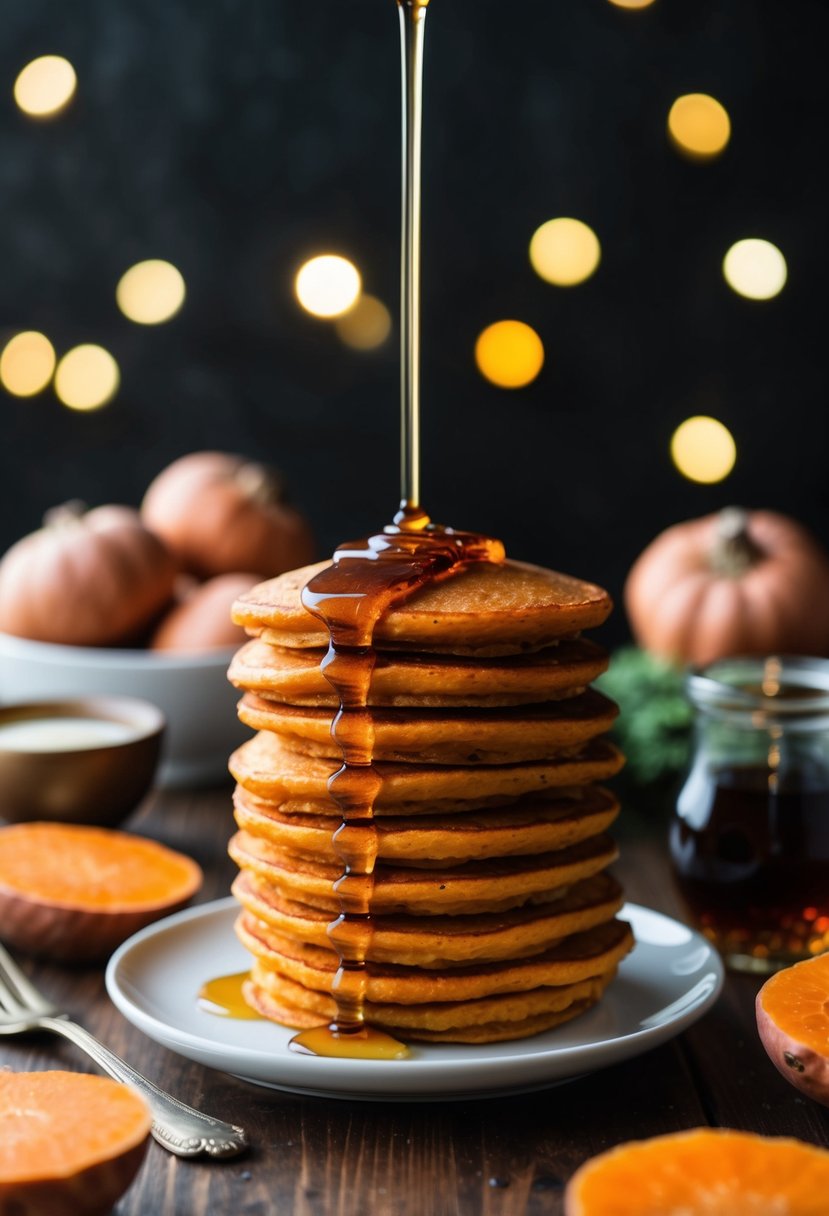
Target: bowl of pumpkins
123 601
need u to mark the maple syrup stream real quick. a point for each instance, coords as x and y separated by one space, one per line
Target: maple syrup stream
349 597
365 579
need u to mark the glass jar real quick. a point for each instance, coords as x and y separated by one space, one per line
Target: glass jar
749 838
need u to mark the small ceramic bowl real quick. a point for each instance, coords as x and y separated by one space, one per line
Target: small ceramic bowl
190 689
85 761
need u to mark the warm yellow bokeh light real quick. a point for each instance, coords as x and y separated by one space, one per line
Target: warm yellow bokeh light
150 292
632 3
27 364
509 354
365 326
87 377
45 86
565 251
755 269
703 449
328 285
699 125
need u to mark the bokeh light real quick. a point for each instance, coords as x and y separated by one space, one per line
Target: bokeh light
45 86
703 449
565 251
27 364
509 354
328 285
632 3
366 325
87 377
699 125
755 269
150 292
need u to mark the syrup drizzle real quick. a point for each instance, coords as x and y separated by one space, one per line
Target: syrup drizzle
223 997
412 15
366 578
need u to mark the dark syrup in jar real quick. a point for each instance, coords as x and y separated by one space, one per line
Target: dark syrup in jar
750 849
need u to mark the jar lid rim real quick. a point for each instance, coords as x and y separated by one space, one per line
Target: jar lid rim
748 684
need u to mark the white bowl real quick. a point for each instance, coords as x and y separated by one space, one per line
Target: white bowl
191 690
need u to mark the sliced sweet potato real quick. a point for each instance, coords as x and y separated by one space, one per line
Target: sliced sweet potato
70 1143
703 1172
75 893
793 1021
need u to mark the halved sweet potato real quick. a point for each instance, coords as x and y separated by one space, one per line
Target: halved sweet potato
703 1172
75 893
70 1143
793 1021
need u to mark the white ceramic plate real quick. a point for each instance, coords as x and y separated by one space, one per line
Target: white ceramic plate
669 980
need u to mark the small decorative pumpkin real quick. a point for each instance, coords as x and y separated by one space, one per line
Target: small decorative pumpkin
739 582
219 514
201 620
86 578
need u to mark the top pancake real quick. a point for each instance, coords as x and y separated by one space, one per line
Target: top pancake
485 609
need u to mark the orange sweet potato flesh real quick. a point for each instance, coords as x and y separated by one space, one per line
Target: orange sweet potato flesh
74 893
70 1143
793 1022
703 1172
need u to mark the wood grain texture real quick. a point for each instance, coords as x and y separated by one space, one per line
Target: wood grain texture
494 1157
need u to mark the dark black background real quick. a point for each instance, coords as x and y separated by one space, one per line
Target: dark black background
238 137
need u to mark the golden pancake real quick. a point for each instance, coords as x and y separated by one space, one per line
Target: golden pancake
446 736
278 1007
491 911
529 826
443 1019
294 676
444 941
500 1032
579 957
484 609
474 887
268 768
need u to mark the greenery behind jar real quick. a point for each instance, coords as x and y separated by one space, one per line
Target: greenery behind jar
653 729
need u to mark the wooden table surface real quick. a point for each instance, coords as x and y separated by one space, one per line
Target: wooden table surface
497 1156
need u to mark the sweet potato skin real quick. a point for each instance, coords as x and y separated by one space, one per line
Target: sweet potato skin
802 1066
76 1142
70 935
73 893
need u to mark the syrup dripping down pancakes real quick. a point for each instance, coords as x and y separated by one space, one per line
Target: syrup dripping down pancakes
492 914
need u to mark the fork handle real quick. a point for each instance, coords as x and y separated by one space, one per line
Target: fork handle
177 1127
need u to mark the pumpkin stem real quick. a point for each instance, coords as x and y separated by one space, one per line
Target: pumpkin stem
733 551
261 484
66 515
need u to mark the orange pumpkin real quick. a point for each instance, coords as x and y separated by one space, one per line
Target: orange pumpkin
219 514
86 578
201 620
739 582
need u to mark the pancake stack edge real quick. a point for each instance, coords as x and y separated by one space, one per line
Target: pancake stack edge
494 915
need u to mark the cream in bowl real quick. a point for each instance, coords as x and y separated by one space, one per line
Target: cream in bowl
59 734
190 689
89 760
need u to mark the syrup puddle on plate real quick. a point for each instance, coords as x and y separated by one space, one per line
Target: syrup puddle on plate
223 998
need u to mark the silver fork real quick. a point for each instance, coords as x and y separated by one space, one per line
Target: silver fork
179 1128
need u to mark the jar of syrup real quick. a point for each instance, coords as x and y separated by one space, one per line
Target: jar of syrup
749 838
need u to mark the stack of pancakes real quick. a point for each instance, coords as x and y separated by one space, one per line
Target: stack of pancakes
493 913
